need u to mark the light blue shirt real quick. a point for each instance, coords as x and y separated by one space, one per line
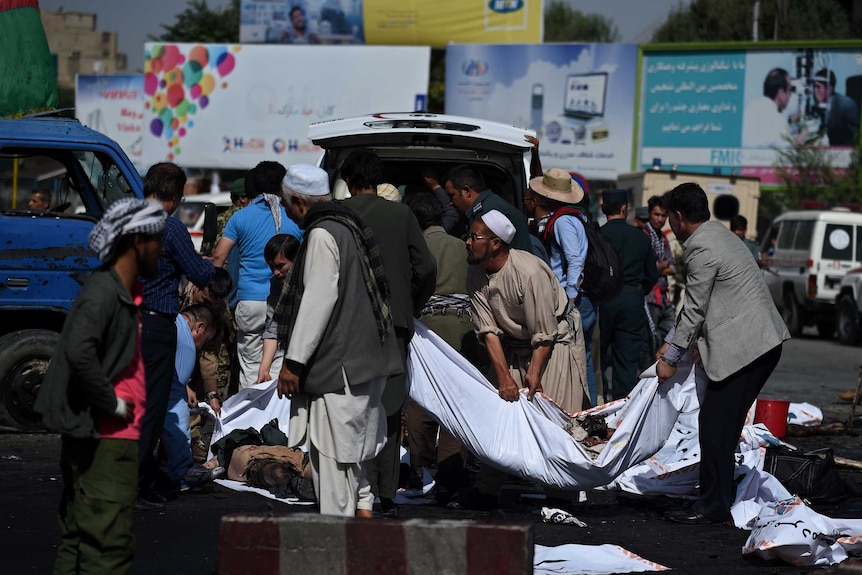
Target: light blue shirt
568 253
250 228
184 365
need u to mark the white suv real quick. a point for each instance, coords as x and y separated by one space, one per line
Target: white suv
813 251
410 142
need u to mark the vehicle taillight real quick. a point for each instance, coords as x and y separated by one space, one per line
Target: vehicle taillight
812 286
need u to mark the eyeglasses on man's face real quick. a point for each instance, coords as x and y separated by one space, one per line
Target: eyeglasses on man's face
474 237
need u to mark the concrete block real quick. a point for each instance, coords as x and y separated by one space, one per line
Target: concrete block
307 543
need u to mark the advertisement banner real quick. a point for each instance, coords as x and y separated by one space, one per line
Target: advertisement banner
438 23
301 22
232 106
580 98
730 111
390 22
114 106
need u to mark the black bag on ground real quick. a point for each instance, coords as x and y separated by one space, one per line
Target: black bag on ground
603 269
808 474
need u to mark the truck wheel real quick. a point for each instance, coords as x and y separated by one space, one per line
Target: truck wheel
792 314
24 357
847 323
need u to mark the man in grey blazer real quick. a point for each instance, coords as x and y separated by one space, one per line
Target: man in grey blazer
729 314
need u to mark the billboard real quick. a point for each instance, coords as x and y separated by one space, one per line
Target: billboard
114 106
730 111
580 98
232 106
390 22
301 22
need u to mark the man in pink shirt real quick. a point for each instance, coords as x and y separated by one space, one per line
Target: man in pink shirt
94 393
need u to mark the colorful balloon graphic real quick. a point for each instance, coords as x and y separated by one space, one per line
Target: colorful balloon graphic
180 82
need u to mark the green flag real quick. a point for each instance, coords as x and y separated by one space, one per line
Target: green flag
28 82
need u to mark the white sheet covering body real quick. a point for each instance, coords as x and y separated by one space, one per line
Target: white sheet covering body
529 438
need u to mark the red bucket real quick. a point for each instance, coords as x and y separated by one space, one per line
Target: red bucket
773 414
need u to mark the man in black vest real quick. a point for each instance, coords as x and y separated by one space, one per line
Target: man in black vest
333 317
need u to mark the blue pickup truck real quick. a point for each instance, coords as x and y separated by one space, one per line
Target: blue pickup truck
43 254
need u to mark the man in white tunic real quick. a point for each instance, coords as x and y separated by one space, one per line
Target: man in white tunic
334 317
523 316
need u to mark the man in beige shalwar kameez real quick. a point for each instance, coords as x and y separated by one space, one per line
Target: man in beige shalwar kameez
522 315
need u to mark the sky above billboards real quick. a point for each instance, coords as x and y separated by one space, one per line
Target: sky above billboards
134 22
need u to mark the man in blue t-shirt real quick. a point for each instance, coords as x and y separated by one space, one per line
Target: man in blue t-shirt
249 229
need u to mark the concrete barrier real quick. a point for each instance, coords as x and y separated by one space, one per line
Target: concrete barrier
306 543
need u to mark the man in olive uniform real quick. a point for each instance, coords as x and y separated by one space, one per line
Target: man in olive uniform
623 320
218 356
447 313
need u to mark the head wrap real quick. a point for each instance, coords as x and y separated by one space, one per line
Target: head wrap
500 225
389 192
125 217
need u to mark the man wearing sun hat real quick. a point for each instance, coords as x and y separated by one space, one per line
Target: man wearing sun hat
525 319
559 206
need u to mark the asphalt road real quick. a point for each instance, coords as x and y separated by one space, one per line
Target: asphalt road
184 538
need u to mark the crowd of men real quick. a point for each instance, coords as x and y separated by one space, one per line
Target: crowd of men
326 296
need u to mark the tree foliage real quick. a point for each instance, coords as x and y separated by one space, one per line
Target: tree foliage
199 23
807 174
723 21
565 24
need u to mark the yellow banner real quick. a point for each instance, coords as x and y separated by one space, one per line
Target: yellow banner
439 22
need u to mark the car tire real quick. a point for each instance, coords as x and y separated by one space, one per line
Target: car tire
791 313
847 321
24 357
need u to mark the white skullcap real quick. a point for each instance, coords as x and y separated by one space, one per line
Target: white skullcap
125 217
500 225
389 192
306 180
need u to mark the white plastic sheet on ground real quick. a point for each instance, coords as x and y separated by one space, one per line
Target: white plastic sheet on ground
589 560
654 450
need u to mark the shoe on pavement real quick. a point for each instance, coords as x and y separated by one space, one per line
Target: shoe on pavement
149 502
848 395
198 475
199 450
475 501
388 507
690 517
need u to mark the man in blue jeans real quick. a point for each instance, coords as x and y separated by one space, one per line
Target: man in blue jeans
557 202
163 184
196 325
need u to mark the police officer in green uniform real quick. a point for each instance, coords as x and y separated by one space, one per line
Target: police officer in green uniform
623 320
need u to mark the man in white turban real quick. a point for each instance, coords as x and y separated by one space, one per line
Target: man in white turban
94 393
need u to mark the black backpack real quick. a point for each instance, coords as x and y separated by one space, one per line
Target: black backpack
603 269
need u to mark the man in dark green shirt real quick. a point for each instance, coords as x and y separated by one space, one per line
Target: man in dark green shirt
462 186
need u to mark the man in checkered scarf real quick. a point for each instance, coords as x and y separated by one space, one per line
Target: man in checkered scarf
94 392
125 218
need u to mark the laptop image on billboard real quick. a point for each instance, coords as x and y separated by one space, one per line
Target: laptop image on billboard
585 95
